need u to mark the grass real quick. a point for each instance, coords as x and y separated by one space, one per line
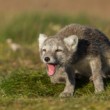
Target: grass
26 28
29 83
24 84
31 89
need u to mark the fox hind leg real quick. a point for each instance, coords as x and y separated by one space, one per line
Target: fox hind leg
96 68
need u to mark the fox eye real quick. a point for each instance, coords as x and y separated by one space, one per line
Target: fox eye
44 50
59 50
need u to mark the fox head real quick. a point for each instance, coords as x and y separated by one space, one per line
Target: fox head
56 51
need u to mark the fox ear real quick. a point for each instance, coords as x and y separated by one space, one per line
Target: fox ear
42 38
71 42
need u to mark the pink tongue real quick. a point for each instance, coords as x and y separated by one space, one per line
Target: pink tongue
51 69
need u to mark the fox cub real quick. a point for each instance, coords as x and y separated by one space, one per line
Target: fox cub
76 48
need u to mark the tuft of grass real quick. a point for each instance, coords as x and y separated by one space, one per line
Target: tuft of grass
29 83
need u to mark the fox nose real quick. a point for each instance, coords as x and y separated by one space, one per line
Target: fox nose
47 59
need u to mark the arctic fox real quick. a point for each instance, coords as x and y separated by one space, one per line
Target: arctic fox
76 48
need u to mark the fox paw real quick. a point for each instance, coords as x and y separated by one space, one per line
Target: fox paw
66 94
99 90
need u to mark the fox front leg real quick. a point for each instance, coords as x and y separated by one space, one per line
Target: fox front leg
70 83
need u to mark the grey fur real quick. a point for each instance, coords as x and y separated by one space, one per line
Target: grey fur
90 56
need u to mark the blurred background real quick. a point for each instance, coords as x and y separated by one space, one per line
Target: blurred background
97 8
